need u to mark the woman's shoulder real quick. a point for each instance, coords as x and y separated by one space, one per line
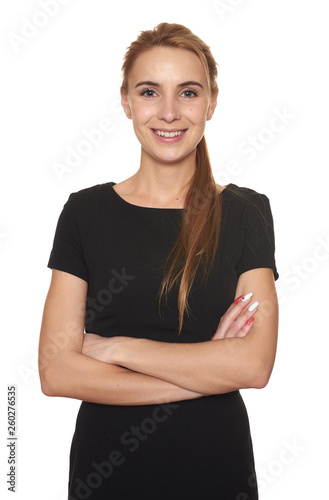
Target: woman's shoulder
242 190
85 203
245 196
91 193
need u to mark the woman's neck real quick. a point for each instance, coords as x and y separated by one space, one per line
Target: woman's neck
162 183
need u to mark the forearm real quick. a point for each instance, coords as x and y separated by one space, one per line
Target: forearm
221 365
77 376
213 367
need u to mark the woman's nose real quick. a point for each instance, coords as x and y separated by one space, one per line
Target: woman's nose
169 109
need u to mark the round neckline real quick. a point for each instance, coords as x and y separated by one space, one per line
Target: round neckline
149 208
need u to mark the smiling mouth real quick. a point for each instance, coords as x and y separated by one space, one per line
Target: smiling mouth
165 133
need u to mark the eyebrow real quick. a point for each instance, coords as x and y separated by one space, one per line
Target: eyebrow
185 84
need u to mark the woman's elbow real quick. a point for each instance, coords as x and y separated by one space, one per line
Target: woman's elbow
260 382
261 377
47 382
58 376
54 376
45 386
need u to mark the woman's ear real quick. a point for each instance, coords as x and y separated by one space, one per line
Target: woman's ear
125 103
212 106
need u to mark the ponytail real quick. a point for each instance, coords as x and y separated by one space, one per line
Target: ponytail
198 240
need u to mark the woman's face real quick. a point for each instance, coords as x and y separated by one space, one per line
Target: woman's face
169 103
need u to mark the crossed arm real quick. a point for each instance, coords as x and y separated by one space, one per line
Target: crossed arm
128 371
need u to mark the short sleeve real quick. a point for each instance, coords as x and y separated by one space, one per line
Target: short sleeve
259 241
67 252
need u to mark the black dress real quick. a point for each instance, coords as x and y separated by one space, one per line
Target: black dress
188 450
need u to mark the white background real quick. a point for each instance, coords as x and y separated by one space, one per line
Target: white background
64 79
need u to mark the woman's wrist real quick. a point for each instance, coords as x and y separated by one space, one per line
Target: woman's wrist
124 352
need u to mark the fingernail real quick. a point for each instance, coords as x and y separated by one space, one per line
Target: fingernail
253 306
238 299
250 320
246 297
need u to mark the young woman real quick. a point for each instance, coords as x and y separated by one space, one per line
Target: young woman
172 277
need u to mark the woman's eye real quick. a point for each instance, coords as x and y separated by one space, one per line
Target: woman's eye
190 93
148 92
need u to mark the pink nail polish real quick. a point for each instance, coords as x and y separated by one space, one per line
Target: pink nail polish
250 320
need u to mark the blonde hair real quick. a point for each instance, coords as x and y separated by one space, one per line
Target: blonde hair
198 239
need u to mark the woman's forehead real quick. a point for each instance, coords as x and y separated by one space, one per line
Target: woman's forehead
160 63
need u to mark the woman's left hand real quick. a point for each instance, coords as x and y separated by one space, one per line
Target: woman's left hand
102 348
237 321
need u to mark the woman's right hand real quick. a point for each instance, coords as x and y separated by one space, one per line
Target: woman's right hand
238 320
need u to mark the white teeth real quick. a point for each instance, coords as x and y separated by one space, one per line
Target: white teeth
168 134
